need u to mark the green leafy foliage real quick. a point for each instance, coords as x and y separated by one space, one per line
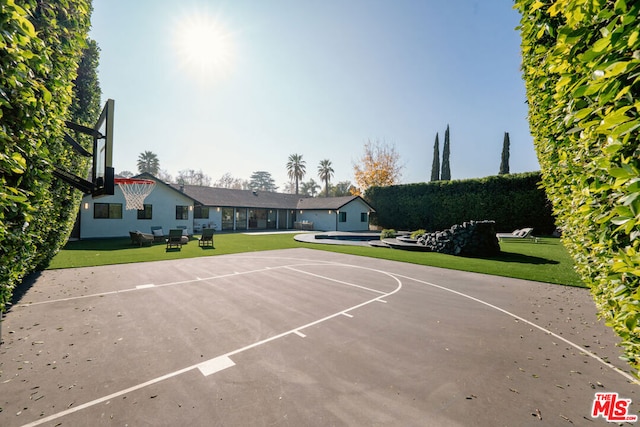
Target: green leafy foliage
417 233
581 66
435 165
445 175
504 159
512 201
387 234
40 46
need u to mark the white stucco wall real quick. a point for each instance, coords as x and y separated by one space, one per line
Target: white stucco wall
353 210
322 220
328 220
163 199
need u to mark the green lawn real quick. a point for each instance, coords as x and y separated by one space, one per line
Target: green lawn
546 261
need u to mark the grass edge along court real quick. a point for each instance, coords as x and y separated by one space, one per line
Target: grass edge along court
546 261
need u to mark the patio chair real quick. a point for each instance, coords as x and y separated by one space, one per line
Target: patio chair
158 233
139 238
518 235
185 232
206 238
175 239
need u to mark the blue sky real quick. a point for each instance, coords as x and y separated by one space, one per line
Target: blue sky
318 78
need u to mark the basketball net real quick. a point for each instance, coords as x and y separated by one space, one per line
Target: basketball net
135 191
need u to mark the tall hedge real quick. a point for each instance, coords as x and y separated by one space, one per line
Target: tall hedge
40 46
513 201
581 66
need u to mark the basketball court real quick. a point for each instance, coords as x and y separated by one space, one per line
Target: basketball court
302 337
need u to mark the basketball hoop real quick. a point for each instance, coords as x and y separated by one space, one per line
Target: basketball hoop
135 191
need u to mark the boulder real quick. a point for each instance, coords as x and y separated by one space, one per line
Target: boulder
471 238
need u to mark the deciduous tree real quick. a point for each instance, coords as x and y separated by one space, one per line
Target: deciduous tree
342 188
164 175
378 166
262 180
228 181
194 177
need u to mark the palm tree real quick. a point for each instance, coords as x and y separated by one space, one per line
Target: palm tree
148 162
296 168
310 188
325 173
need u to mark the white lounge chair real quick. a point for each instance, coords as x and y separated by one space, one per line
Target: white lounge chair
523 234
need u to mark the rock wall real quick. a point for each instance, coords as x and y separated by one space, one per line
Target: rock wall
472 238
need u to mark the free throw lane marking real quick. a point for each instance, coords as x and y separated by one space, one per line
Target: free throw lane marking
218 363
215 365
347 314
339 281
300 334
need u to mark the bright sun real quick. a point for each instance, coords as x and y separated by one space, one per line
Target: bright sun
204 47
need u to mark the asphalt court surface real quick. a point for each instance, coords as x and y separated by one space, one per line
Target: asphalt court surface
302 337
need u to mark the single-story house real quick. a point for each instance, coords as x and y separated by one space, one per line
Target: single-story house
196 207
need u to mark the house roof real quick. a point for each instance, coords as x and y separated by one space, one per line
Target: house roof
210 196
228 197
146 175
334 203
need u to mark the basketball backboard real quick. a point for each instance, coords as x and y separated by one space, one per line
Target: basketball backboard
101 181
103 172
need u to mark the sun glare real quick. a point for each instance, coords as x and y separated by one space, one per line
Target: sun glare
204 47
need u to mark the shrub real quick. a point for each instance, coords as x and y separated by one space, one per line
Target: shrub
387 234
581 62
418 233
41 45
512 201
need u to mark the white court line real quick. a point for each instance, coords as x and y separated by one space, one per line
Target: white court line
300 334
142 287
214 365
220 362
334 280
198 279
530 323
346 314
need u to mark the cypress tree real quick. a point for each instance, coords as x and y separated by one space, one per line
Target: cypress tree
504 163
435 167
446 168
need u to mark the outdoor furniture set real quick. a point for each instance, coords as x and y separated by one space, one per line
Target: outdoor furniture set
174 240
523 234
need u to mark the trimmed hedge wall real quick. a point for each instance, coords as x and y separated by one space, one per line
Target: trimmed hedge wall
512 201
40 46
581 66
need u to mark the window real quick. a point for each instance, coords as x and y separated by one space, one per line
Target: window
107 210
343 217
201 212
146 213
182 212
363 217
227 218
241 219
